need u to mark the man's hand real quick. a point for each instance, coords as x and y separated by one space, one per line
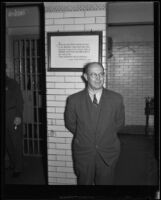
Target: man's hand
17 121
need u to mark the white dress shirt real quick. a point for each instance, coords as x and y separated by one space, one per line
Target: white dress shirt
97 93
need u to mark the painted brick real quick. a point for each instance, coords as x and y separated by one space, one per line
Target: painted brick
49 79
69 164
101 20
58 174
64 73
55 115
79 85
74 27
53 15
89 20
64 21
68 140
51 151
64 85
71 182
60 157
59 110
50 73
60 122
71 91
70 175
49 21
51 133
74 14
56 103
56 91
65 169
78 74
51 109
61 97
52 179
73 79
57 79
63 146
95 13
50 144
68 157
63 134
51 169
50 97
68 152
58 151
61 180
51 121
95 27
54 28
57 140
56 163
52 157
56 128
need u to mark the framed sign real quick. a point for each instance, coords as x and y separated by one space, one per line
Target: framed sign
70 51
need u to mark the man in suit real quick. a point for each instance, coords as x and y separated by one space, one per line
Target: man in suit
13 136
94 116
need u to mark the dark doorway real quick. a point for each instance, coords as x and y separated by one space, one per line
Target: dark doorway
28 73
25 63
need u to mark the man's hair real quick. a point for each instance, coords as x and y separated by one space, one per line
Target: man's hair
87 66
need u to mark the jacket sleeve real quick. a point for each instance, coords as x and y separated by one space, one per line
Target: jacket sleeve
70 115
120 115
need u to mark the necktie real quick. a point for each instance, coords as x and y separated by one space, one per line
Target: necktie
95 100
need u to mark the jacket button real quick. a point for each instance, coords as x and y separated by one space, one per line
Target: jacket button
96 146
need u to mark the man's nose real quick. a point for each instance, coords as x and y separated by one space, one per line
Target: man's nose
98 76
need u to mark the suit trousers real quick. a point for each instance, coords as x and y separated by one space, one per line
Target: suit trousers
94 171
14 147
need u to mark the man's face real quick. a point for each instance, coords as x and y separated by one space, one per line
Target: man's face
95 77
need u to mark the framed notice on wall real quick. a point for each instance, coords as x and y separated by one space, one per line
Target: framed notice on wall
70 51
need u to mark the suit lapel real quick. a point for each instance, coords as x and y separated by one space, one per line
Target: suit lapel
85 109
105 104
84 106
87 115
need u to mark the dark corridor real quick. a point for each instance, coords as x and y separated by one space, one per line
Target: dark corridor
25 61
33 173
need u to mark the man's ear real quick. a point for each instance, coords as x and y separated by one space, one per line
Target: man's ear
85 76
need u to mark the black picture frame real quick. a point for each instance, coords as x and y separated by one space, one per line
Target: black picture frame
89 38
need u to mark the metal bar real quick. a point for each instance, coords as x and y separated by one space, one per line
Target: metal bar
19 67
21 83
23 89
14 57
37 100
31 81
26 91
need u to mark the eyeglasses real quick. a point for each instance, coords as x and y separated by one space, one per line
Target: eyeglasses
94 75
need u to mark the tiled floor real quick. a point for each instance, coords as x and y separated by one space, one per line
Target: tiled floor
33 173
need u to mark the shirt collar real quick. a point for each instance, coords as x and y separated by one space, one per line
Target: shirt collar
98 93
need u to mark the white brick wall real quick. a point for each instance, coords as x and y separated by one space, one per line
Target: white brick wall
62 84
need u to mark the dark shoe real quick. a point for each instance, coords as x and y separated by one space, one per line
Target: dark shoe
16 174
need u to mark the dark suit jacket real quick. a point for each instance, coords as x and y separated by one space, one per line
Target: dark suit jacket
104 138
14 100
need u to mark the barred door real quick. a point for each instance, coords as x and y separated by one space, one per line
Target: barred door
28 73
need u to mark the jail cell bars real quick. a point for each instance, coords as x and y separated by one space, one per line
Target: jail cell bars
28 73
